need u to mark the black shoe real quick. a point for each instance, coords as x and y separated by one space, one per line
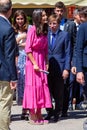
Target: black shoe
64 115
25 117
55 118
22 117
49 116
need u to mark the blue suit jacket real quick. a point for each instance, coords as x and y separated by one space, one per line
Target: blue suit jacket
81 48
70 27
61 50
7 51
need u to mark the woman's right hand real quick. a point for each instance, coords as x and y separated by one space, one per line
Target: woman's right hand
36 68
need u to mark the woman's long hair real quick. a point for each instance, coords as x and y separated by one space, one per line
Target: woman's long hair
37 19
15 25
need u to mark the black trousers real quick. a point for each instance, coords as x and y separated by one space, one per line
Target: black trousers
56 85
85 85
66 96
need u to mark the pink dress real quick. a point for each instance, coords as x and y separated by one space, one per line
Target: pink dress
36 93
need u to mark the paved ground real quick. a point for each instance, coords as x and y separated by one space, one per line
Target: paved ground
73 122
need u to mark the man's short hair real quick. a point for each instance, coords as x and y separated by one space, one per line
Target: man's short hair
5 6
60 4
53 17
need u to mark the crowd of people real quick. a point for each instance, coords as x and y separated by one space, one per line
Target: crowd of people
43 61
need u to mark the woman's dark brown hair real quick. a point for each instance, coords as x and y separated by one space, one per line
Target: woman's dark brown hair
15 25
37 18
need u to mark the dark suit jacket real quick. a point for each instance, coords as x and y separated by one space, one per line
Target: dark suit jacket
70 27
61 50
7 51
81 47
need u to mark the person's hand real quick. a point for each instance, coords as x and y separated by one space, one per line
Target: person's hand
80 78
73 70
36 67
22 36
65 74
13 85
47 66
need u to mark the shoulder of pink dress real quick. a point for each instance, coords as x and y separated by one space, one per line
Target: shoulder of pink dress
33 28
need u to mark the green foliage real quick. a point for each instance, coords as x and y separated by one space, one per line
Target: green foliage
29 19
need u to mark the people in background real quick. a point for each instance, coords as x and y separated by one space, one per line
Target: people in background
76 18
80 52
20 25
8 72
59 64
36 93
76 88
70 27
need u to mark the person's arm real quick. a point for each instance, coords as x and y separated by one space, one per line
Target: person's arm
73 33
10 48
67 45
79 49
20 37
79 55
31 58
47 62
67 48
28 48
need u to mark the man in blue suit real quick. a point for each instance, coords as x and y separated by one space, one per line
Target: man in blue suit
59 64
70 27
80 55
8 73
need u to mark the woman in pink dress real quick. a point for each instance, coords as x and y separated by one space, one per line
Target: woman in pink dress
36 93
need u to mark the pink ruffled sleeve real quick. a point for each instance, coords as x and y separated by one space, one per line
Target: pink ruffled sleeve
29 40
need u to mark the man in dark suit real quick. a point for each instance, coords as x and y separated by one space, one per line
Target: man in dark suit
80 55
59 64
8 73
70 27
75 89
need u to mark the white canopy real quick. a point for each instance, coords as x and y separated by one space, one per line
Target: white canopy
45 3
82 3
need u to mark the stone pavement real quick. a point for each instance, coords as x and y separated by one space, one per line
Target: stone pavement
73 122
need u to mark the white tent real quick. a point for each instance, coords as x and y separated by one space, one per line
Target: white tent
82 3
45 3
